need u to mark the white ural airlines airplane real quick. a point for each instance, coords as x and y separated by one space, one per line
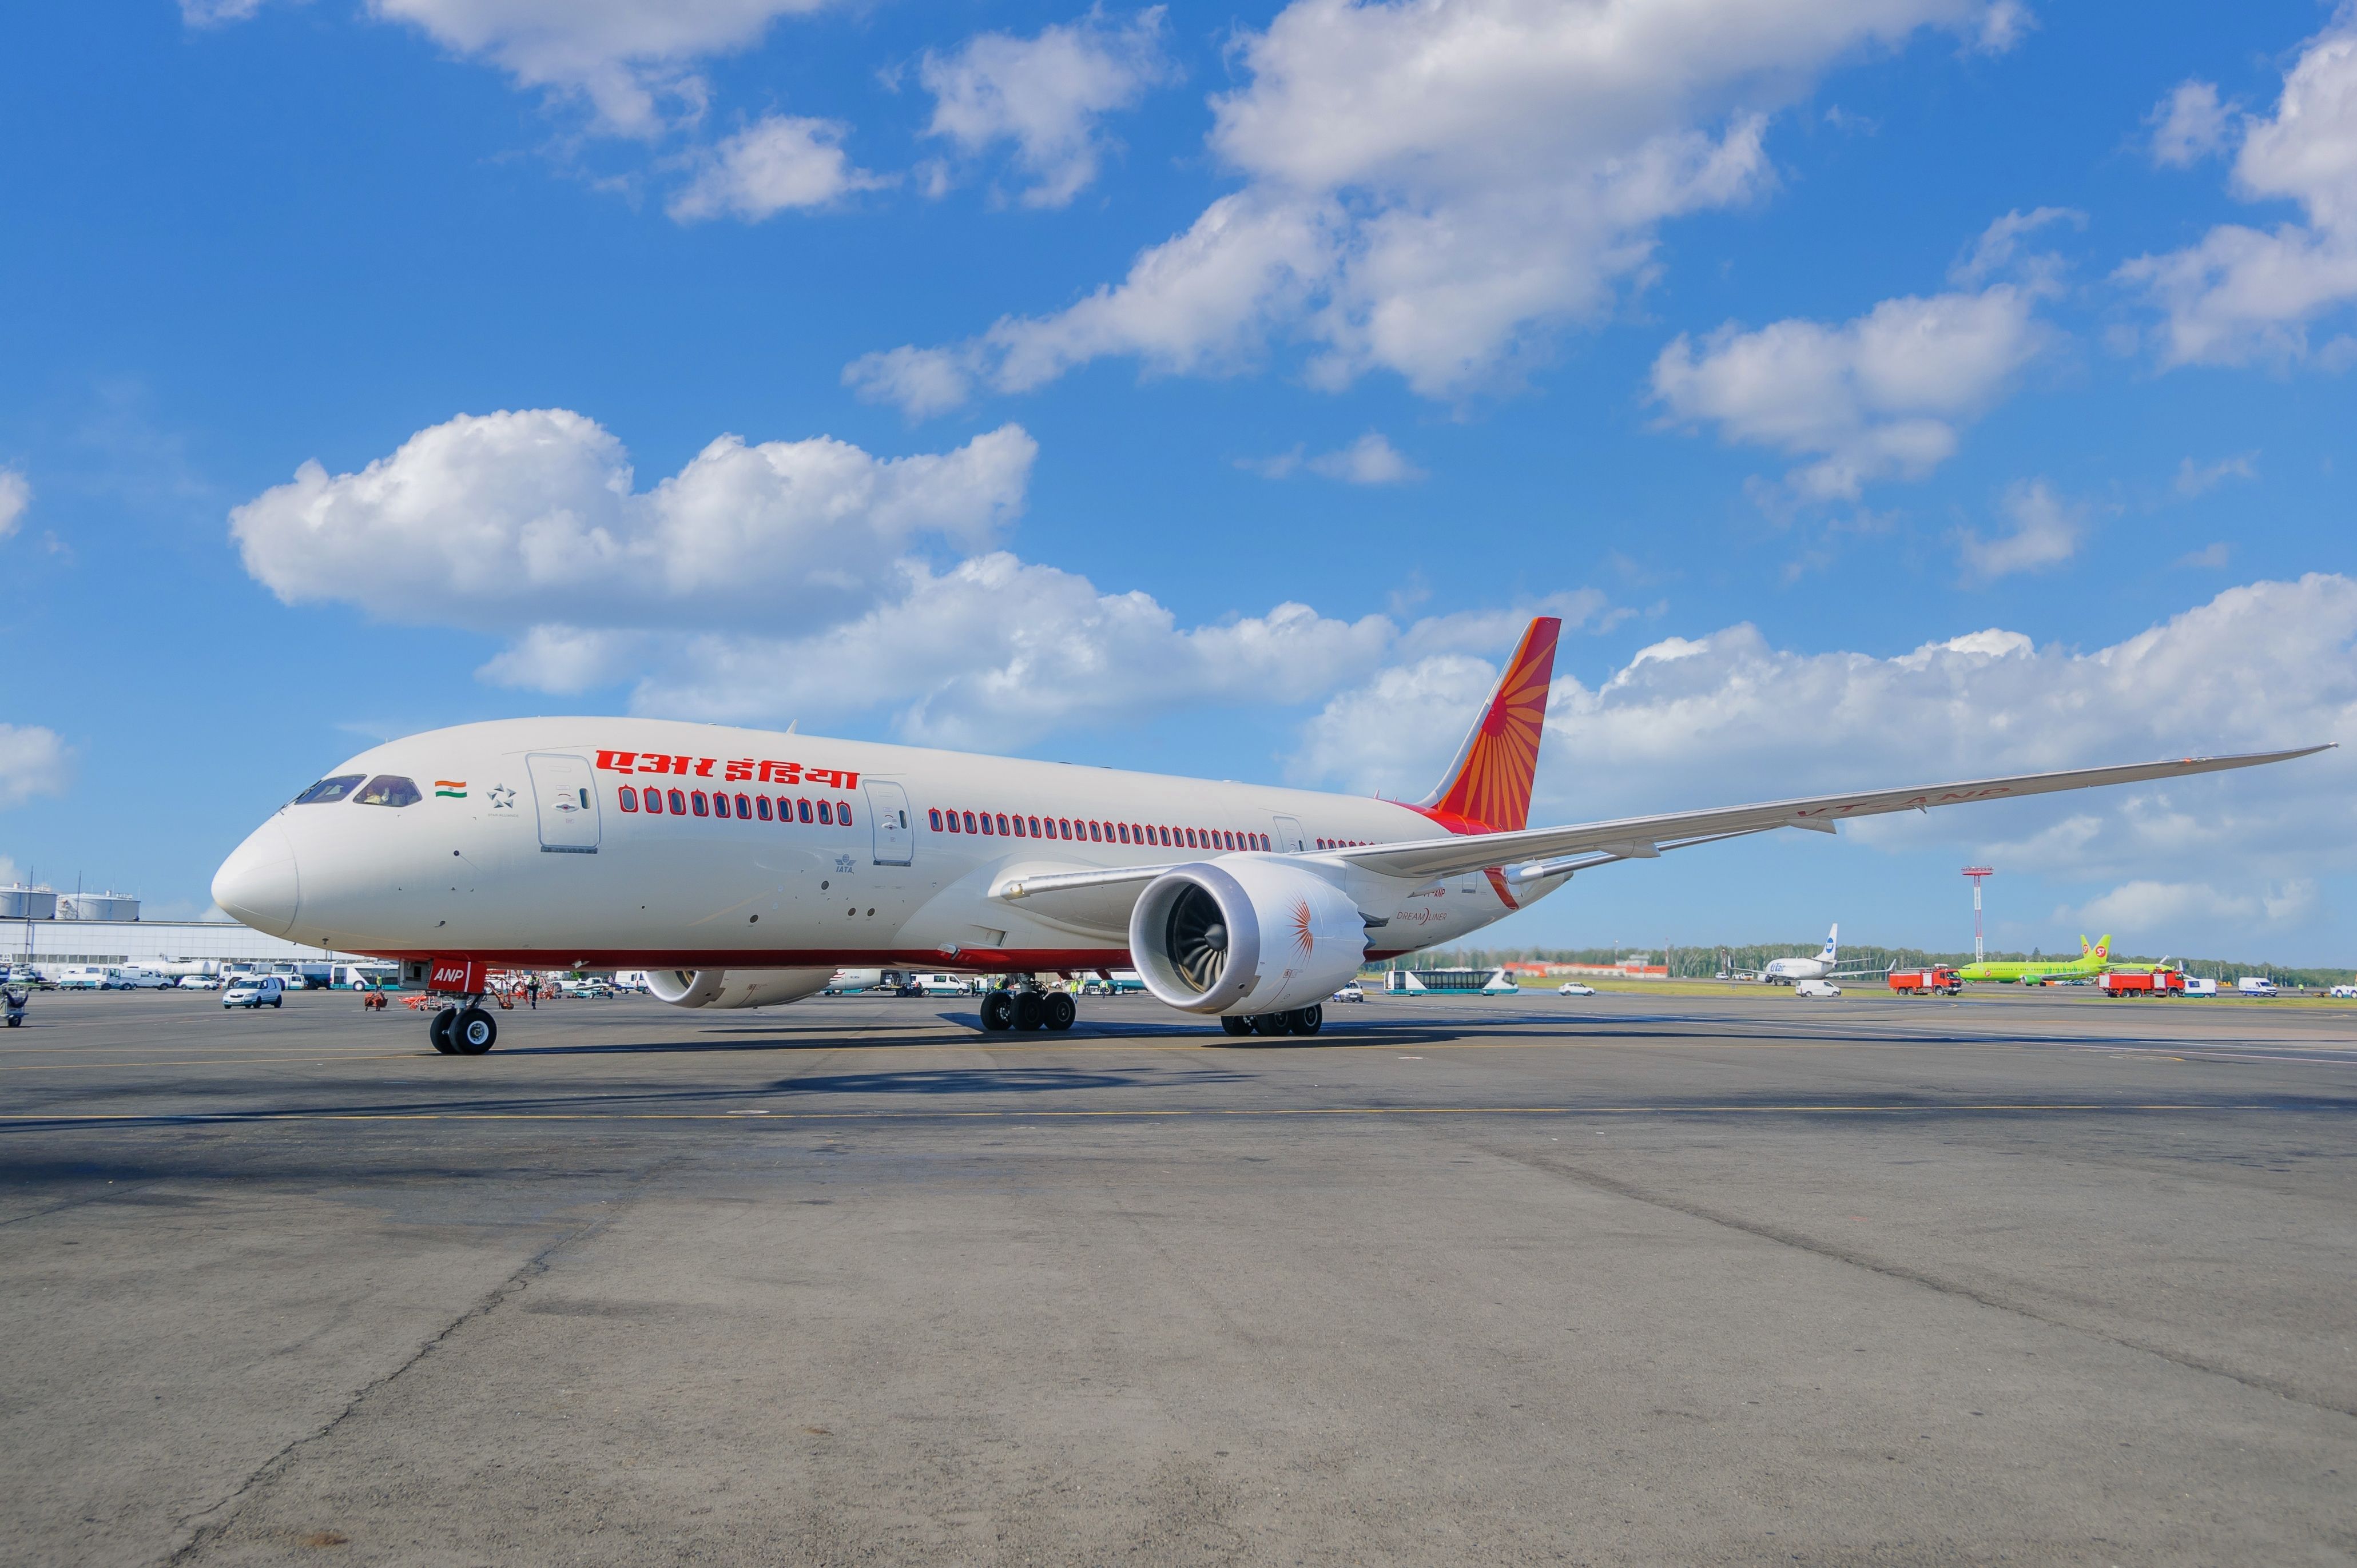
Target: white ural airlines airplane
1788 970
740 868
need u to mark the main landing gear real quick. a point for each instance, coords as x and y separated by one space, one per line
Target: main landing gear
1294 1021
467 1031
1027 1009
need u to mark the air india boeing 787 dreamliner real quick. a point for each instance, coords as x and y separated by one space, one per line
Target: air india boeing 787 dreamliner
741 867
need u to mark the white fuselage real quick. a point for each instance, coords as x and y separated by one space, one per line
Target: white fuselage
520 850
1798 969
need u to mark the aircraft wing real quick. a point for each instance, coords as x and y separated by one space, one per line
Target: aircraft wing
1098 898
1552 849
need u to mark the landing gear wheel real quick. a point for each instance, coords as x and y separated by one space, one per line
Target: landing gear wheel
443 1031
1030 1012
997 1010
1057 1012
474 1031
1236 1023
1310 1019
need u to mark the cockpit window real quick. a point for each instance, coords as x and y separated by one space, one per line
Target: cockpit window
387 789
328 789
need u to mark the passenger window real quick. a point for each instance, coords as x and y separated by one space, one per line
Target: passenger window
1002 821
842 813
1019 827
744 809
626 797
801 809
985 823
935 814
761 804
969 826
328 789
826 813
678 804
387 789
654 801
697 800
1122 832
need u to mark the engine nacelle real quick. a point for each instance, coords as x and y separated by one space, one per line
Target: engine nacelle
1244 934
735 987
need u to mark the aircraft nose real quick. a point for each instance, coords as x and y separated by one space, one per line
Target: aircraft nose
257 883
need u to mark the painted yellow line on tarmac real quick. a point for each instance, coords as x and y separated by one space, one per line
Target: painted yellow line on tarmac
1050 1115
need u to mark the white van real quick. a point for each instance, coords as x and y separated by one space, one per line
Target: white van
939 984
1821 989
2197 986
2255 986
141 977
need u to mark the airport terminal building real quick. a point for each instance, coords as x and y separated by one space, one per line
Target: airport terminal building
49 930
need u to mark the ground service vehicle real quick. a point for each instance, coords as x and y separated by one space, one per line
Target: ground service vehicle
1573 988
2159 982
1938 978
1817 988
1353 991
255 991
938 985
2255 986
742 867
2343 992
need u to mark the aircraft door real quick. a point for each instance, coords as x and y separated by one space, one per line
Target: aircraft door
565 793
1289 838
888 816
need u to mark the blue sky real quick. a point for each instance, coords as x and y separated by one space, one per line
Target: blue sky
1887 389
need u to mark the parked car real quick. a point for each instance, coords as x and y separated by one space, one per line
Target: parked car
1818 988
1353 992
1573 988
200 983
255 991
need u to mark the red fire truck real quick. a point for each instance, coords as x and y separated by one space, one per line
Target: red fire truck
1939 978
2156 982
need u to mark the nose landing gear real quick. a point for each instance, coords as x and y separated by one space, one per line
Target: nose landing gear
467 1031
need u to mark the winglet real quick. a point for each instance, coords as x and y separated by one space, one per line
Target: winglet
1488 788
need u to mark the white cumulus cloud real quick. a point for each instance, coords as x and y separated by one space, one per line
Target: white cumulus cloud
33 761
1882 396
2266 666
2241 295
1372 460
511 519
776 163
1046 95
2189 125
1432 189
2047 532
16 496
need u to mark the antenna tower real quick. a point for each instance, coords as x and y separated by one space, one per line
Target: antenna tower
1978 874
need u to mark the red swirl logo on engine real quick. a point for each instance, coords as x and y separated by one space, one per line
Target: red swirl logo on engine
1301 935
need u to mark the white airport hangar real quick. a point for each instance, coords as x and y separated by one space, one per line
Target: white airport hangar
42 927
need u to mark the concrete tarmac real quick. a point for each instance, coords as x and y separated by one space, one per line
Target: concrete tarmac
1736 1278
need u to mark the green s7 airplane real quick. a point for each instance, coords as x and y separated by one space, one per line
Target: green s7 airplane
2038 970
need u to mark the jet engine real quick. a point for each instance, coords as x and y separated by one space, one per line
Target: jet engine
735 987
1244 935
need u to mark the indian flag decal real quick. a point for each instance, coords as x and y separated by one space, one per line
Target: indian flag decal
454 788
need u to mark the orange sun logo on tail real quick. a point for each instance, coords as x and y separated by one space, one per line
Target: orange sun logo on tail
1488 789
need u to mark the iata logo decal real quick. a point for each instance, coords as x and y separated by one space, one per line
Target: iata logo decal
1302 939
743 769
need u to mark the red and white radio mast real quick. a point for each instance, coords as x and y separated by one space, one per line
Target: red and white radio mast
1978 872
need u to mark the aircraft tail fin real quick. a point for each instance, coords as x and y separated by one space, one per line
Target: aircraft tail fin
1833 941
2103 948
1488 788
